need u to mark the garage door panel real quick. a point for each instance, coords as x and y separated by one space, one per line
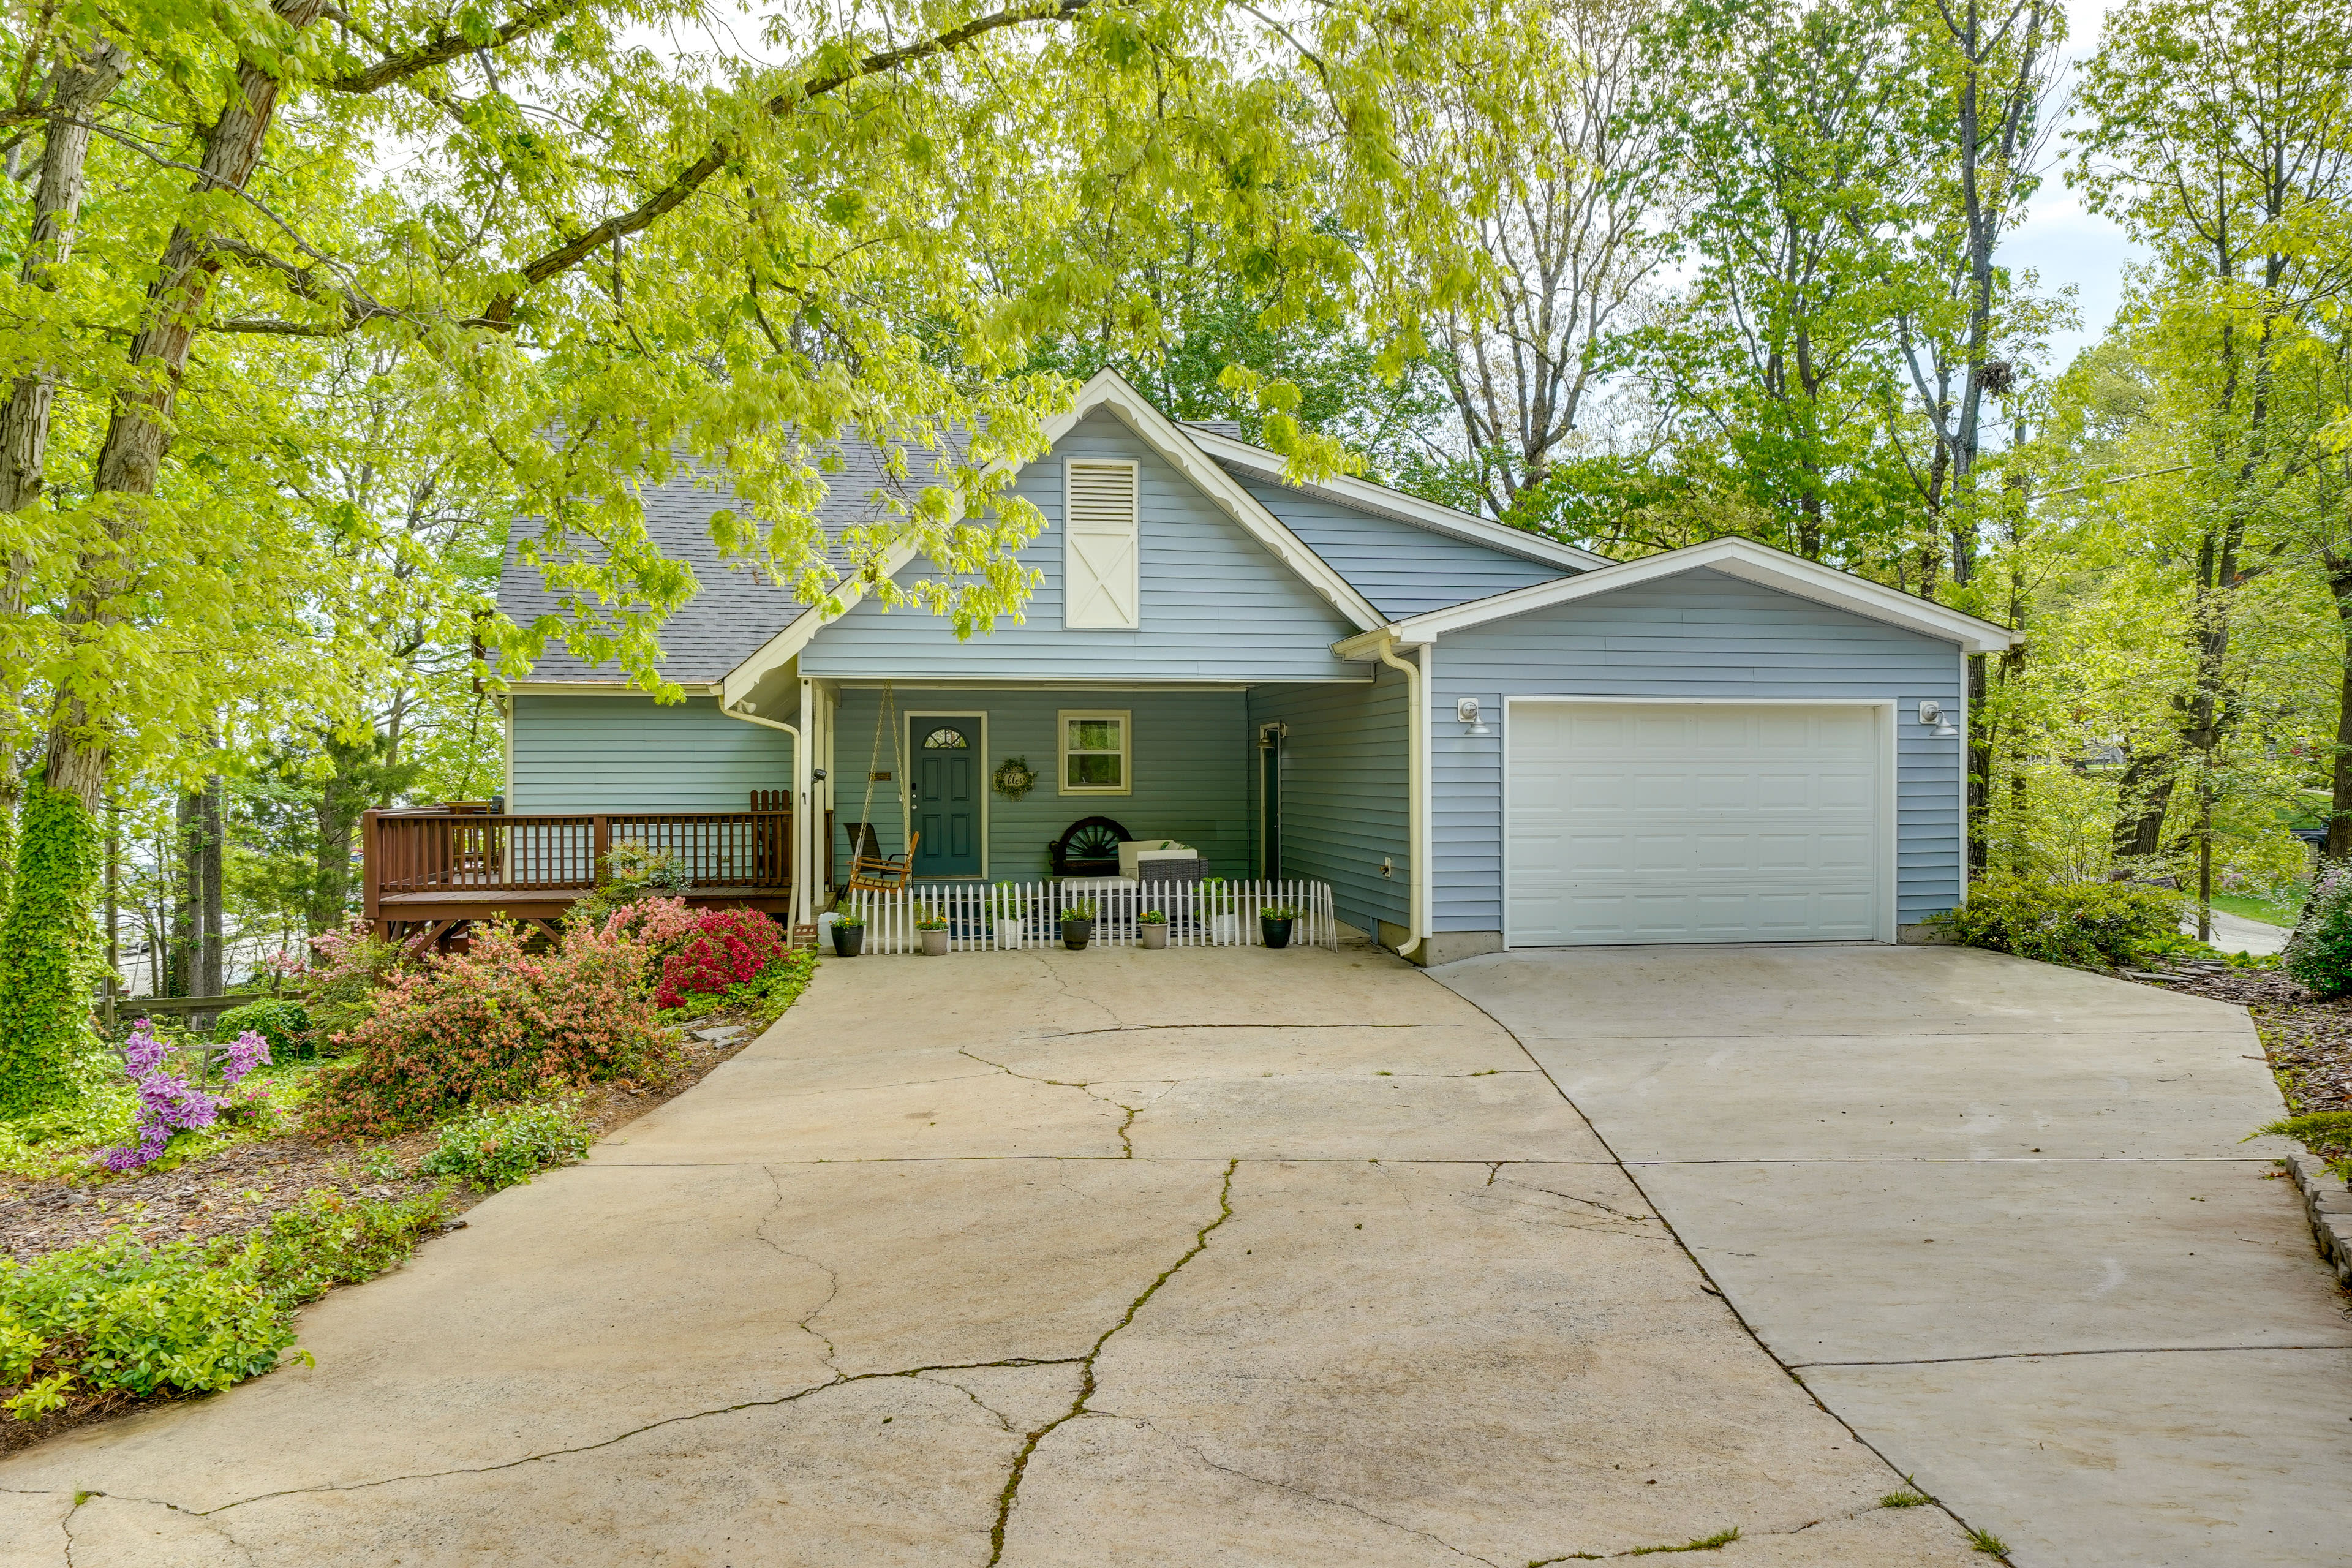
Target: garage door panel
1718 824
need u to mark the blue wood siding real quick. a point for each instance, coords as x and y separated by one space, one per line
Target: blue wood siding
1345 783
1191 753
632 753
1215 604
1703 634
1401 569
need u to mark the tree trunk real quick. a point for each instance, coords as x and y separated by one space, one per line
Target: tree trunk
2141 801
187 907
2339 810
138 436
208 966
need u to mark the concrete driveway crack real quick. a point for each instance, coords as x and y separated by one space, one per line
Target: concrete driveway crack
1011 1492
833 1281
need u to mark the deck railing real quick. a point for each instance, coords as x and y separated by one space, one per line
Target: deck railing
1009 915
459 853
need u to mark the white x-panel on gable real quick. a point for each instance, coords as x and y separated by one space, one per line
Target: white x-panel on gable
1100 569
1697 822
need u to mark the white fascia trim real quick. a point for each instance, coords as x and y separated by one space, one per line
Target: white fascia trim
1107 390
1429 514
1739 558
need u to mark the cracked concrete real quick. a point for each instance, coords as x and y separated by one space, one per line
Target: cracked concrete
1997 1215
1183 1257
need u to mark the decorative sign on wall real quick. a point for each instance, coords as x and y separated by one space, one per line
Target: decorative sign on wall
1013 778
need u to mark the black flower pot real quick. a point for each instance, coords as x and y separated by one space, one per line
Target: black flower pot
1276 932
1077 933
848 942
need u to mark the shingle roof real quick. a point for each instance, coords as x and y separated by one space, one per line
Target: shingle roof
737 608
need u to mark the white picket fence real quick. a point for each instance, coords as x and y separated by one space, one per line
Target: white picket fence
1008 916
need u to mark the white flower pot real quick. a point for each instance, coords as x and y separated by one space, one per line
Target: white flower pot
1008 933
1226 931
934 943
1154 933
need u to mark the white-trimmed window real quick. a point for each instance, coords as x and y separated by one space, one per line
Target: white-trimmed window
1102 502
1097 753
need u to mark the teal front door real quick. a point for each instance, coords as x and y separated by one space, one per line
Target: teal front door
946 800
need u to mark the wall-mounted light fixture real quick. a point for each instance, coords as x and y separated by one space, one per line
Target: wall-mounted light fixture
1933 714
1467 710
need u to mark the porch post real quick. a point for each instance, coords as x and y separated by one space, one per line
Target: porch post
370 873
804 794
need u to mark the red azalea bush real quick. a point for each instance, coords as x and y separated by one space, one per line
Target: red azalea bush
496 1022
724 948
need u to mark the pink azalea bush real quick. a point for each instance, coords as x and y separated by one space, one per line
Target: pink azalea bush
721 948
496 1022
168 1102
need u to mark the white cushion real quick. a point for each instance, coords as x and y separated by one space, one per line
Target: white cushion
1134 849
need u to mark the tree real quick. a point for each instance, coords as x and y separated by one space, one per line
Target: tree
2219 139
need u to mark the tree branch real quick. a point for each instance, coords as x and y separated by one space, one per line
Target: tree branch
440 50
499 312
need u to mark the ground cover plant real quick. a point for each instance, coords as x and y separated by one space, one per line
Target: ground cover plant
2089 925
496 1146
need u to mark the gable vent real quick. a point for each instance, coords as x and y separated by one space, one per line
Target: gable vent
1099 554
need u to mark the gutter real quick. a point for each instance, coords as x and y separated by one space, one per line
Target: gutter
1416 696
800 795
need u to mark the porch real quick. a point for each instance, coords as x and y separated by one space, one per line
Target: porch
427 871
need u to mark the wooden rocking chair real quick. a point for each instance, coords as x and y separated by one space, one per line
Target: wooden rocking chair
871 869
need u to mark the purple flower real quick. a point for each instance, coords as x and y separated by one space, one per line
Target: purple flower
168 1103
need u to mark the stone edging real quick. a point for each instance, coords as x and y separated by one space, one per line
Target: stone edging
2328 1202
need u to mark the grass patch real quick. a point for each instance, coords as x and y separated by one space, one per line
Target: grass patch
1910 1496
2327 1133
2262 910
1986 1541
1715 1542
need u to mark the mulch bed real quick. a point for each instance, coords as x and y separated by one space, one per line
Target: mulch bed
2309 1042
239 1188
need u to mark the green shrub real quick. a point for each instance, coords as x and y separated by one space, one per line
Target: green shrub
495 1024
2099 925
119 1314
48 953
2327 1133
496 1146
2319 953
285 1023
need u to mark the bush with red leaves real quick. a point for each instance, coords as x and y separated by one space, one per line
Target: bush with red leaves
726 947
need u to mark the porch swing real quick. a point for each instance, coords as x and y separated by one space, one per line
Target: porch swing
870 870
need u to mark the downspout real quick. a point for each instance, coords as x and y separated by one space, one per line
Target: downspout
800 774
1416 696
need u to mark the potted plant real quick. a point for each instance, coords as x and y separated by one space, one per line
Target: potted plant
1078 924
848 933
1151 926
1224 920
1274 923
1004 914
934 933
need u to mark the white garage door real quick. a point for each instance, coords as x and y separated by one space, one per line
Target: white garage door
1630 823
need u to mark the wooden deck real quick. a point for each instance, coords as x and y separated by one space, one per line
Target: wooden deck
428 872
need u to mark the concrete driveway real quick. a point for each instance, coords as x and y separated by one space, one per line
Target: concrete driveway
1182 1257
1997 1215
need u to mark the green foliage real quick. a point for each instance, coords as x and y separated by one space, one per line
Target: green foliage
777 987
495 1024
2319 953
284 1023
2087 925
1152 918
1078 910
496 1146
47 954
848 916
119 1314
2327 1133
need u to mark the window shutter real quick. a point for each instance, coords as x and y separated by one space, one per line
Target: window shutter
1098 545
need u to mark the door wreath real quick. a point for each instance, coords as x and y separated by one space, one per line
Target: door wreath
1013 778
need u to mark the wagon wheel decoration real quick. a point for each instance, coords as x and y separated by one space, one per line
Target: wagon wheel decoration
1013 778
1089 847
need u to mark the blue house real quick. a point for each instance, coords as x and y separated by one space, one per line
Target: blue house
1477 737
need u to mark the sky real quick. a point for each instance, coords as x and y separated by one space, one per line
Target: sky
2059 241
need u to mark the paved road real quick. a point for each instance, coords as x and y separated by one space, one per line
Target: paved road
1181 1258
2236 933
1996 1215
